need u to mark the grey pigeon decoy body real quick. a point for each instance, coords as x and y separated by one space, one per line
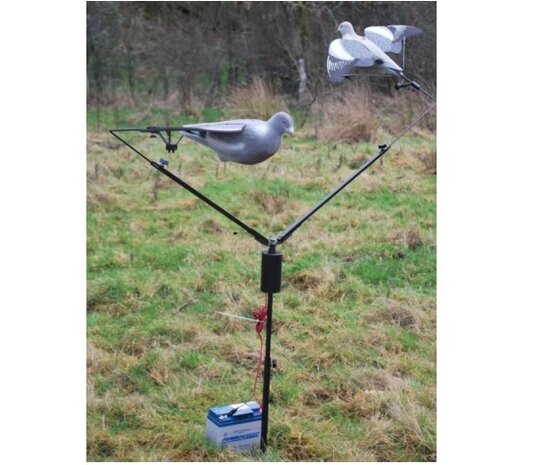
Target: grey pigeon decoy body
245 141
368 51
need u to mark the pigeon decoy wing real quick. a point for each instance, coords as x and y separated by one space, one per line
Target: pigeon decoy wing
244 141
339 61
221 127
400 33
222 137
358 50
389 38
381 36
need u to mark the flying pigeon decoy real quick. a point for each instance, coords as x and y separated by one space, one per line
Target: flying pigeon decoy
369 51
245 141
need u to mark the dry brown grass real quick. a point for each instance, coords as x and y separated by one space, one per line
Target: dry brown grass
270 203
411 422
100 361
349 117
364 404
100 198
404 315
316 396
403 107
356 114
410 237
160 376
316 280
298 445
428 159
210 225
193 105
254 100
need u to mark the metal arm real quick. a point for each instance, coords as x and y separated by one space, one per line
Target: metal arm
302 219
383 149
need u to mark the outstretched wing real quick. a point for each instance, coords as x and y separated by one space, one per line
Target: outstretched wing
339 62
389 38
358 50
403 32
381 36
226 127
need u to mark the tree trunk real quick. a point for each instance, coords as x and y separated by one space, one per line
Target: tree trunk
303 79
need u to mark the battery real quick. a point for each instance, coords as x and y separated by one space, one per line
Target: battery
237 426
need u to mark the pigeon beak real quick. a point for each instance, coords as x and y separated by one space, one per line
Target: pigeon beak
291 132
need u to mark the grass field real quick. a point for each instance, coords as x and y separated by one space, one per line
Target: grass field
354 326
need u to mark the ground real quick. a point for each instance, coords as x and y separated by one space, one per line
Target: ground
354 326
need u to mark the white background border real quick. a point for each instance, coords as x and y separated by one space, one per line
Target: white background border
491 233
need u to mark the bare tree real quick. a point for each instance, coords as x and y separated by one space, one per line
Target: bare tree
170 50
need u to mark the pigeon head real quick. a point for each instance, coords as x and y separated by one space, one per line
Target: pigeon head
282 123
346 28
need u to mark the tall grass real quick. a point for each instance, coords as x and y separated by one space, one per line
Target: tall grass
254 100
405 106
349 116
356 114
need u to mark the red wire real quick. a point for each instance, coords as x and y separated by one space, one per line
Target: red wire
261 316
258 370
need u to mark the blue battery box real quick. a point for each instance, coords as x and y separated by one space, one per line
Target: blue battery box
235 425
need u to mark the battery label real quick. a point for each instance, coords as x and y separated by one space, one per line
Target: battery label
240 437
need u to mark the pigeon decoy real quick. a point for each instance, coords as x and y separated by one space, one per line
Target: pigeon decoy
245 141
369 51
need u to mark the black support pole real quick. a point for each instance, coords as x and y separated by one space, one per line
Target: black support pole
267 373
270 284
